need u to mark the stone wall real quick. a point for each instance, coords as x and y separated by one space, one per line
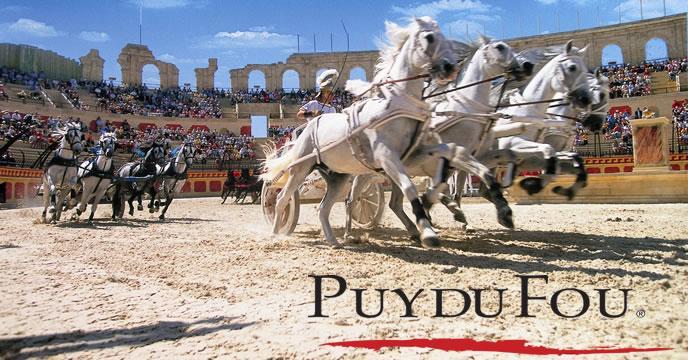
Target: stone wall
32 59
631 37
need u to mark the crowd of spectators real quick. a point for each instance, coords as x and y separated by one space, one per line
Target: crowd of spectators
340 100
144 101
209 144
628 80
680 121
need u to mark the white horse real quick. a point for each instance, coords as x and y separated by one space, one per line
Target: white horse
59 176
374 134
174 174
564 74
562 129
464 116
95 175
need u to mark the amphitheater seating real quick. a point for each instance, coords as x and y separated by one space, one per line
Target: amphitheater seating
174 126
662 84
146 126
621 109
198 127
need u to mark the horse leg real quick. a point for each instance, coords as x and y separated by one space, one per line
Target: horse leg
391 164
46 199
224 194
337 185
168 201
574 164
86 190
99 193
296 175
353 194
466 162
396 204
130 201
152 193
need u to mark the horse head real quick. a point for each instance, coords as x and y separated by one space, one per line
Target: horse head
496 57
423 48
108 142
155 154
71 136
570 76
599 86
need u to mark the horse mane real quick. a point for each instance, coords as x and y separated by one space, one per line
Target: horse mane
390 48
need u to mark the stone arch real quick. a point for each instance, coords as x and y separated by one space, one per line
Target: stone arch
134 57
256 77
291 79
656 48
612 53
150 75
358 73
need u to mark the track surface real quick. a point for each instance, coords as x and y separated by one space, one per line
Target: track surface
212 282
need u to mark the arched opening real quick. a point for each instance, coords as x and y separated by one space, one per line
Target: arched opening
290 80
150 76
357 73
256 80
656 49
317 87
612 55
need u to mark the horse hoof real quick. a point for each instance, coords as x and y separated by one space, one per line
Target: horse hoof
139 208
415 238
335 244
51 210
151 210
131 212
505 218
161 217
460 217
431 242
78 212
570 194
351 239
532 185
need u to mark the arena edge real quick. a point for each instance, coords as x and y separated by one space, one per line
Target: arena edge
471 297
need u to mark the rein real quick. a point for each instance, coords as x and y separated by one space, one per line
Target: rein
465 86
394 81
536 102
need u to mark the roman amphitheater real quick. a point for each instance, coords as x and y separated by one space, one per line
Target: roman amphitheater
212 281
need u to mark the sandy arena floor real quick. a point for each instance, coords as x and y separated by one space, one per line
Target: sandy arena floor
211 282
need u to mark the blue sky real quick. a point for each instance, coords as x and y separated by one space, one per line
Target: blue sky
187 32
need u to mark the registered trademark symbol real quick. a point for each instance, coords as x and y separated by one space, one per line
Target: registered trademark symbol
640 313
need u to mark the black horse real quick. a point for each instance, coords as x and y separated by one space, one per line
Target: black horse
148 169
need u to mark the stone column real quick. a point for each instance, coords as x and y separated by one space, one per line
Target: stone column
92 66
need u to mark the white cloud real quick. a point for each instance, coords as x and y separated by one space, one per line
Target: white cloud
175 60
630 9
94 36
249 39
166 4
32 28
261 28
442 6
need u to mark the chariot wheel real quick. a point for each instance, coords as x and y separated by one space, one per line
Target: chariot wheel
290 218
367 208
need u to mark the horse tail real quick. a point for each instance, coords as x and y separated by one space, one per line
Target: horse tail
274 164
